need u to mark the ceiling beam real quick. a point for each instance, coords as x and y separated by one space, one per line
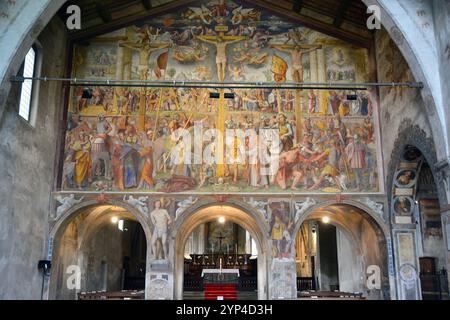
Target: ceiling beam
103 12
128 20
147 4
342 10
309 22
297 6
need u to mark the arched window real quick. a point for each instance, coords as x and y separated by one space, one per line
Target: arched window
27 94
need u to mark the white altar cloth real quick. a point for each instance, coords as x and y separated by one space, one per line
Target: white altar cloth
220 271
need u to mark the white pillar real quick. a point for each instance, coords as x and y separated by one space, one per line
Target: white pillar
248 242
313 66
321 72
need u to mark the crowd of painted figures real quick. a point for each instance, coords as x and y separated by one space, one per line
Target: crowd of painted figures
110 152
125 138
199 101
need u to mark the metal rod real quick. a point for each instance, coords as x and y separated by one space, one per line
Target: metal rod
179 86
213 84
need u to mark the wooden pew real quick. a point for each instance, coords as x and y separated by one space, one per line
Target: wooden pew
103 295
330 295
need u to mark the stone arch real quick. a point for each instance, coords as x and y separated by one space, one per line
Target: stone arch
378 225
60 225
62 222
419 50
410 134
412 137
372 216
236 212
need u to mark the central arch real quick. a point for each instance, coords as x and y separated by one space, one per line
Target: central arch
236 213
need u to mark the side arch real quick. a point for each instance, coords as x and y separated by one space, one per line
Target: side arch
368 239
373 216
59 227
61 223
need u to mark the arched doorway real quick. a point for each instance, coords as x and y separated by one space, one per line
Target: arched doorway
339 246
416 201
99 251
213 214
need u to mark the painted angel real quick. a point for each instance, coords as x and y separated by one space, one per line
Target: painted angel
139 203
301 207
66 203
202 13
183 205
240 14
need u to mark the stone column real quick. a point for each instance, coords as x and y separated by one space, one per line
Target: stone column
127 58
159 282
443 186
282 276
406 262
200 244
119 62
248 242
313 66
445 216
282 271
321 65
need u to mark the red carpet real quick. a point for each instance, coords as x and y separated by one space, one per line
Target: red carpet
227 291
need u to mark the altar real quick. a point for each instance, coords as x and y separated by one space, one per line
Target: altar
220 275
220 284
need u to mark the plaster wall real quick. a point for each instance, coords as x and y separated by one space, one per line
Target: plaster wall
396 104
27 154
349 270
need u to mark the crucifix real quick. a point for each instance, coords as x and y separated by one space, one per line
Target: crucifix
145 49
296 51
221 41
220 238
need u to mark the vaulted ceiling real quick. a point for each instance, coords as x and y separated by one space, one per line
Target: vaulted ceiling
345 19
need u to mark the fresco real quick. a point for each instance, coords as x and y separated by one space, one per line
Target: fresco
128 138
281 226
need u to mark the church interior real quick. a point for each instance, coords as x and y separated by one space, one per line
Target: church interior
224 150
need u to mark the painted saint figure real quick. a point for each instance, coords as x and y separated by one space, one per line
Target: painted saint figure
146 177
356 153
83 160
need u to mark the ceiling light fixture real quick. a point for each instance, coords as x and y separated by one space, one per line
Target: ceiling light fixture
325 219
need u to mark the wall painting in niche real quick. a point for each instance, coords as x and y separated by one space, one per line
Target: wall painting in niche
125 138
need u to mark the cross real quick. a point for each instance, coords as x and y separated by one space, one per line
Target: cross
221 41
220 238
296 51
145 49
